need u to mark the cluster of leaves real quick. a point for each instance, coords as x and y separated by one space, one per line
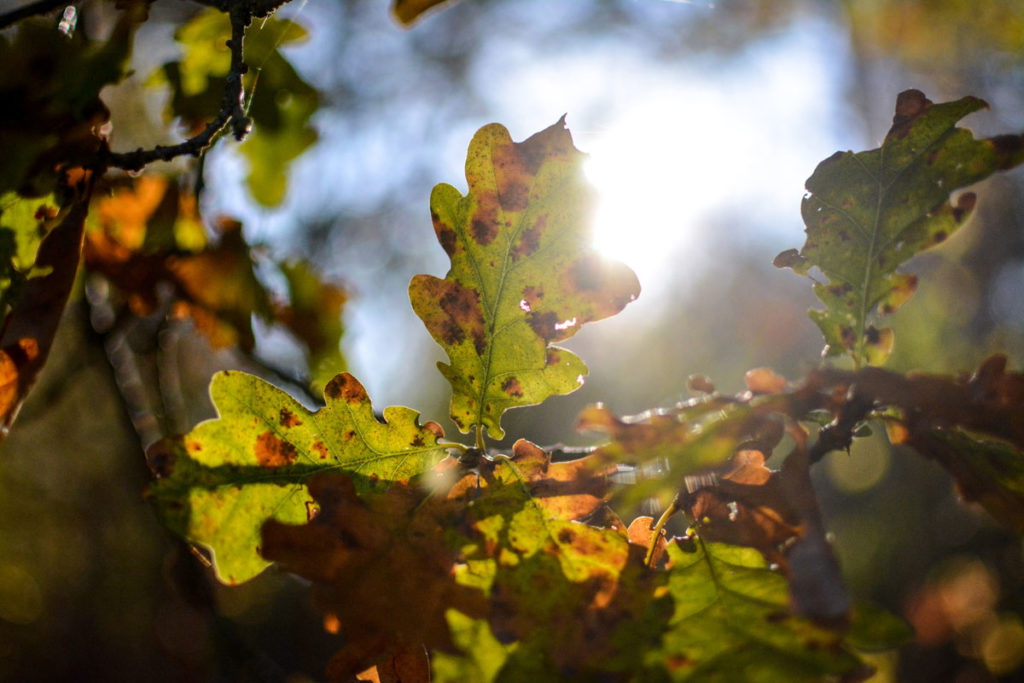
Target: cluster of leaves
145 237
279 106
58 206
504 567
436 559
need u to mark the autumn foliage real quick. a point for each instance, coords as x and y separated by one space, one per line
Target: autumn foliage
434 559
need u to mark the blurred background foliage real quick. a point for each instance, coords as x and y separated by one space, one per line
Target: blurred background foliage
703 120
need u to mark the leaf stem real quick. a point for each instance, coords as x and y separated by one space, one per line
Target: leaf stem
480 437
657 529
460 447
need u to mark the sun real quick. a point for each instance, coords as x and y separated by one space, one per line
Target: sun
658 171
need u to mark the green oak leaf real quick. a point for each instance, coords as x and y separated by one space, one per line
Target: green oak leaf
987 470
563 595
522 276
869 212
281 103
218 484
731 622
24 222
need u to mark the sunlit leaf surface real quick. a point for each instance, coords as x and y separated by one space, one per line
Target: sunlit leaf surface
523 275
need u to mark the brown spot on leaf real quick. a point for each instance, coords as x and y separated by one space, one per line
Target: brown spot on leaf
320 449
529 241
450 310
349 435
1008 147
565 536
532 296
553 141
964 205
512 387
289 419
484 227
273 451
160 458
840 290
479 342
193 446
45 212
543 323
445 235
910 104
514 196
552 358
417 441
348 387
847 335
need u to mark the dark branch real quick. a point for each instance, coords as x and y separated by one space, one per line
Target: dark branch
30 10
232 107
253 8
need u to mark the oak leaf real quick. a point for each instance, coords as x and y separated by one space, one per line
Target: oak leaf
36 306
280 103
219 483
380 564
522 277
867 213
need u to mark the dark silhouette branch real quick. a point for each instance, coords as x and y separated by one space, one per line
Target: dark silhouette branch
30 10
232 107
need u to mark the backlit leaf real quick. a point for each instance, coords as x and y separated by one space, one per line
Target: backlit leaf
36 303
24 222
408 11
148 234
868 213
731 622
219 483
282 103
522 277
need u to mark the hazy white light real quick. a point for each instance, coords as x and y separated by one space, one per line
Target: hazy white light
661 168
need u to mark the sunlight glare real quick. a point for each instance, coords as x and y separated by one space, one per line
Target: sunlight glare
661 167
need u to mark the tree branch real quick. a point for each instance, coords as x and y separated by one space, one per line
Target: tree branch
232 107
30 10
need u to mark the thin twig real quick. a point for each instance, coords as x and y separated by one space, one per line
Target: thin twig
232 110
30 10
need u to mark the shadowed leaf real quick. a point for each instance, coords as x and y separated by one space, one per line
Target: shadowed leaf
37 305
380 565
50 111
867 213
219 483
523 275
